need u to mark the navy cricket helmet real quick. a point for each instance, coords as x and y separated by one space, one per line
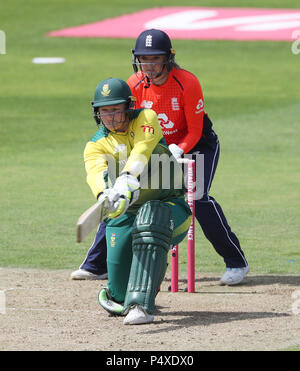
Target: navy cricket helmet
153 42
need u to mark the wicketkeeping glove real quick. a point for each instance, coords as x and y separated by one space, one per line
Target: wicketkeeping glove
176 151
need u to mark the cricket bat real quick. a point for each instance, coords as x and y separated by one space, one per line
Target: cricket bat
90 219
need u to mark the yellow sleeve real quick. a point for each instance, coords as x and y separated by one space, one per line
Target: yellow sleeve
146 135
96 166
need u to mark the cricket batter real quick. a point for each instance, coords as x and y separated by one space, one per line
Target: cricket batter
143 222
176 96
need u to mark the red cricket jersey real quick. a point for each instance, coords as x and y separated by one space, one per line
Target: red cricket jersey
178 103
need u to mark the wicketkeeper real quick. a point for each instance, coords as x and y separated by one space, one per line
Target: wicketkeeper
143 220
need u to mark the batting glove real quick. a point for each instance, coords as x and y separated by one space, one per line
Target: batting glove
128 185
124 193
115 204
176 151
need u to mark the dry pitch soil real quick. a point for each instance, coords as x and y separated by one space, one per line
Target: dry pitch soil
44 310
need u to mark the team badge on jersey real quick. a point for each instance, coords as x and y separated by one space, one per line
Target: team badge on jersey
175 104
113 240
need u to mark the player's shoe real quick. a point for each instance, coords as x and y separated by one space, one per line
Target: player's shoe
107 303
82 274
234 276
137 316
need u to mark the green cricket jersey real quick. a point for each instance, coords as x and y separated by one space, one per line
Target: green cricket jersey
141 151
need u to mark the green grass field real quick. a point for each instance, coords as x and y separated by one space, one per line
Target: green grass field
252 95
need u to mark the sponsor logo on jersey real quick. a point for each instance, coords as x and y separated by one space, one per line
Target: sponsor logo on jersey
148 129
200 106
164 121
147 104
169 132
